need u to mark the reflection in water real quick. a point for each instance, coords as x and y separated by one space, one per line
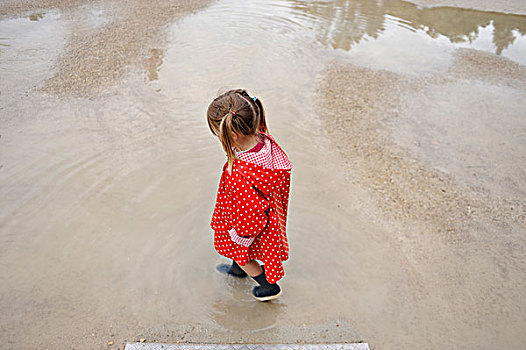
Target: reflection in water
36 17
460 25
344 23
153 63
242 312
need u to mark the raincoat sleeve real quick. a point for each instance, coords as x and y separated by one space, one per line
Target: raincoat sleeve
250 212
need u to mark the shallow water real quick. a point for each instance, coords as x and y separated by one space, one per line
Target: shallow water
106 201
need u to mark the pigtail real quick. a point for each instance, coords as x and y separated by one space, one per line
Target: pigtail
257 109
262 121
235 111
225 135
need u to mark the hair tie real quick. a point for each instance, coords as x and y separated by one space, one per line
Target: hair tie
254 98
234 113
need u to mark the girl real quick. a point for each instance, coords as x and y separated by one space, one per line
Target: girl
250 215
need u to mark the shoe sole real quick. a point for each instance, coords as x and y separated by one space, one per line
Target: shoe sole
270 297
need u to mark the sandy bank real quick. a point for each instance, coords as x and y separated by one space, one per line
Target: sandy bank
506 6
404 187
14 8
94 59
460 224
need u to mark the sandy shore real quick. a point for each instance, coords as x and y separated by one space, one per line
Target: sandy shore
14 8
506 6
96 59
404 187
429 206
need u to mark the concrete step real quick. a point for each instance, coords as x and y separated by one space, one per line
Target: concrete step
159 346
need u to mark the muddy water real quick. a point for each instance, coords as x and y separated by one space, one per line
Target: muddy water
106 200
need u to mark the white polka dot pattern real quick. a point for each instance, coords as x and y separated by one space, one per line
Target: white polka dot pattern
250 215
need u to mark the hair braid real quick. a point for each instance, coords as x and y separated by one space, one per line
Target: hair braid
225 135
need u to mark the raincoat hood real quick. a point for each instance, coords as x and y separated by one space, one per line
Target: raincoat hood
266 168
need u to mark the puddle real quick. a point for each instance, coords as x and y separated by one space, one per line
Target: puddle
107 200
29 46
399 36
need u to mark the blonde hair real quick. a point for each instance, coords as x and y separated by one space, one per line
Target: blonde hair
235 112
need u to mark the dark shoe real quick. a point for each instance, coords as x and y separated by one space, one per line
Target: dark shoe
265 291
232 270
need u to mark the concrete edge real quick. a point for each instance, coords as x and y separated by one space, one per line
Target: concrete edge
161 346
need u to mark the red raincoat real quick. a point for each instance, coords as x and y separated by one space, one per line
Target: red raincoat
250 216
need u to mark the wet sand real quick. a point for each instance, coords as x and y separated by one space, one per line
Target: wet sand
13 8
460 225
505 6
366 111
96 58
109 174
